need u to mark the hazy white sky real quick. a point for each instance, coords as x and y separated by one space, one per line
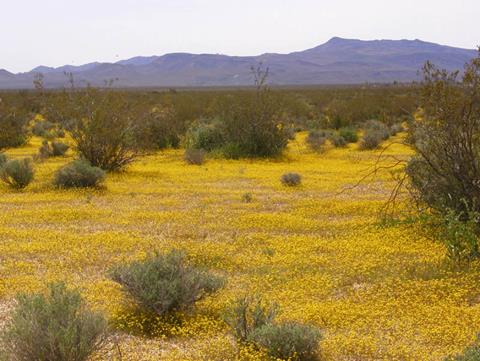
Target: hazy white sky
59 32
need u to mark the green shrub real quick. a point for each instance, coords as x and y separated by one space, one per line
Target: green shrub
56 326
349 134
288 341
396 128
206 134
247 197
232 150
3 160
79 174
59 149
445 173
316 139
371 139
165 283
17 173
194 156
338 141
246 314
13 127
471 353
459 233
41 128
375 126
163 128
291 179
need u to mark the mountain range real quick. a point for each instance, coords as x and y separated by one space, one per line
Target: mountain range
338 61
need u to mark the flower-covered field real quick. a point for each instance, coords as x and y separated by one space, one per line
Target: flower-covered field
377 292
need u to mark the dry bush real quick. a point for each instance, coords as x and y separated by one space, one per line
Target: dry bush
17 173
291 179
194 156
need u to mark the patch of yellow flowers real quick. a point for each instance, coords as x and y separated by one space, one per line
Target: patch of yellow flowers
378 293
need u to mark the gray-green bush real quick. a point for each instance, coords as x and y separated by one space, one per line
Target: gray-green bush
56 327
79 174
17 173
194 156
164 283
291 179
349 134
248 313
288 341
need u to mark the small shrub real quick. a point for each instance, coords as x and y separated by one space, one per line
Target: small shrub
316 139
59 149
247 198
396 128
471 353
371 139
194 156
338 141
232 150
41 128
288 341
349 134
206 134
3 160
17 173
377 127
13 127
459 233
79 174
291 179
45 151
163 128
56 326
247 314
164 283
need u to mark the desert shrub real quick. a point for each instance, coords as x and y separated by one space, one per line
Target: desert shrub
45 150
79 174
349 134
471 353
291 179
248 313
371 139
3 160
194 156
445 173
232 150
164 283
316 139
255 122
163 128
56 326
59 149
338 141
396 128
13 127
206 134
105 129
460 235
17 173
288 341
43 128
246 197
376 126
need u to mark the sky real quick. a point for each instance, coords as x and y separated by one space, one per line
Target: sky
59 32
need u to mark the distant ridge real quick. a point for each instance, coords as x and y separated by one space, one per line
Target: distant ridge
338 61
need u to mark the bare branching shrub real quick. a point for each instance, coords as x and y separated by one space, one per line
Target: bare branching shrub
17 173
56 326
105 129
291 179
194 156
13 127
165 283
248 313
288 341
79 174
445 173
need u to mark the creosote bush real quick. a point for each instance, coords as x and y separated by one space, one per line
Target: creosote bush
288 341
371 139
13 127
17 173
338 141
56 326
164 283
3 160
194 156
248 313
349 134
445 172
79 174
291 179
316 139
59 149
